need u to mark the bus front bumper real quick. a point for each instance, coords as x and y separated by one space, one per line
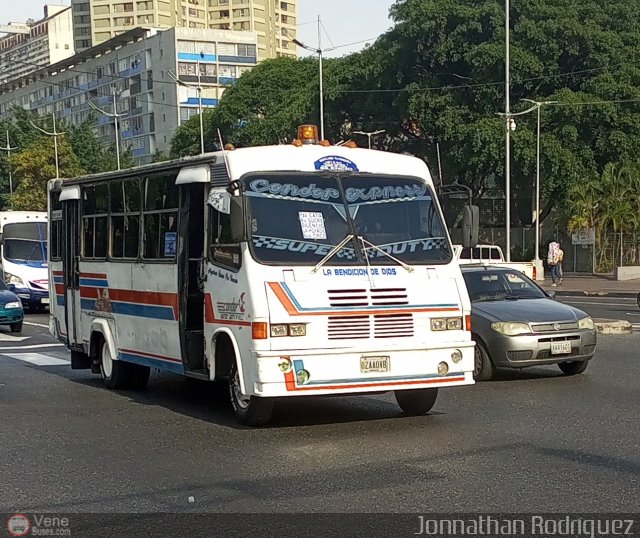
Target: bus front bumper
316 372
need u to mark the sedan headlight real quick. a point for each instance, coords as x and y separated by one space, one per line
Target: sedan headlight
14 304
12 279
511 328
586 324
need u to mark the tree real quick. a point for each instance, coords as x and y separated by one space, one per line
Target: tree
35 166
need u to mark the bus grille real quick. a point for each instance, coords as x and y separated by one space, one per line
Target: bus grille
366 326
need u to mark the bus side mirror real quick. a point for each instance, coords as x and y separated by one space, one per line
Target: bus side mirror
470 226
238 229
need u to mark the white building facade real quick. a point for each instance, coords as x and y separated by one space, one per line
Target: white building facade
30 46
137 68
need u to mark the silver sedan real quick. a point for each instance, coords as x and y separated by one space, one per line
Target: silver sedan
516 324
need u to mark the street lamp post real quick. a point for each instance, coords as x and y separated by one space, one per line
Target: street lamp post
370 134
507 113
538 106
115 117
9 149
55 134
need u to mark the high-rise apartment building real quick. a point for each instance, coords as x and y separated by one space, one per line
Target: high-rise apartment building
138 69
96 21
30 46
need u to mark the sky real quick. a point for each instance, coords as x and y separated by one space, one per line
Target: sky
344 21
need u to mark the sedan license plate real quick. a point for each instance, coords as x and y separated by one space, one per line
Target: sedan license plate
560 348
374 364
44 300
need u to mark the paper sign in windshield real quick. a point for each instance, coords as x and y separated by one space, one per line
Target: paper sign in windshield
312 225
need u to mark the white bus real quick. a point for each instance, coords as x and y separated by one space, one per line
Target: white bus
23 256
288 270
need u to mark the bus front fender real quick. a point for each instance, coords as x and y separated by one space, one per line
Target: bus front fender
213 360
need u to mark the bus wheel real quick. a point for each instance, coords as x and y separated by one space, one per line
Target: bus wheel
416 401
249 410
122 375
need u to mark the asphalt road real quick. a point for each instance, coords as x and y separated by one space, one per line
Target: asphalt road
532 441
625 308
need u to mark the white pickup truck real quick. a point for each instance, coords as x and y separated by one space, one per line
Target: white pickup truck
492 255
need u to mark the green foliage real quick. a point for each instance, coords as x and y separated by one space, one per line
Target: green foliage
437 77
35 166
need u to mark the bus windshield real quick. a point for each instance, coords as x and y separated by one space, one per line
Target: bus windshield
25 242
297 218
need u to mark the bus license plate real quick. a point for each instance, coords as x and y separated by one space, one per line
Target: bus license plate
560 348
374 364
44 300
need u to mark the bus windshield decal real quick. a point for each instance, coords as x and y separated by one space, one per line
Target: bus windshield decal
264 186
387 192
312 224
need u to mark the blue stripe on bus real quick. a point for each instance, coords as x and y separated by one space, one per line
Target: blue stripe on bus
95 282
133 309
60 300
152 363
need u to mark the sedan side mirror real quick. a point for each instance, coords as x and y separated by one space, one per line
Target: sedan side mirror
11 287
551 294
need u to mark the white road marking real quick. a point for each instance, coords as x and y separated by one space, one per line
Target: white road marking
10 338
32 346
596 304
39 359
35 324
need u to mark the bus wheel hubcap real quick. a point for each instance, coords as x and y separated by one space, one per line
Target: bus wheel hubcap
241 400
107 362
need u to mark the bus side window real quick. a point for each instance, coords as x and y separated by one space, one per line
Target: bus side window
221 250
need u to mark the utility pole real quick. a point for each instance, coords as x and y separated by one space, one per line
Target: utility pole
9 149
55 134
507 113
199 90
115 117
369 134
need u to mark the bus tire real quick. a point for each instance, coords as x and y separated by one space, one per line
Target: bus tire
119 374
252 410
416 401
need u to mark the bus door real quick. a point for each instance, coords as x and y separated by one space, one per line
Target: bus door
191 248
71 264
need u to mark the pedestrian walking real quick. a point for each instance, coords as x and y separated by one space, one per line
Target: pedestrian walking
553 258
560 259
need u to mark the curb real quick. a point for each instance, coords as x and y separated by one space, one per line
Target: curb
613 326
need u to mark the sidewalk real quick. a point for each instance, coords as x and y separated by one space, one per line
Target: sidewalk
575 284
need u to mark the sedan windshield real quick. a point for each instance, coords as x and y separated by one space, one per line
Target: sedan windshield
300 218
500 285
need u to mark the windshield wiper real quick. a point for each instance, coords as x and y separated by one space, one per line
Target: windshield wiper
332 252
371 245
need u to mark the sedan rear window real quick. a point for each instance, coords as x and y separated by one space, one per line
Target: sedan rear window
500 285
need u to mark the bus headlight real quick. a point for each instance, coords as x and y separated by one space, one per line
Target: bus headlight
443 368
288 329
285 364
456 356
446 324
12 279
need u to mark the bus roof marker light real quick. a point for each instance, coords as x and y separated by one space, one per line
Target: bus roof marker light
308 134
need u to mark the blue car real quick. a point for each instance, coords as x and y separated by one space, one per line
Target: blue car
11 310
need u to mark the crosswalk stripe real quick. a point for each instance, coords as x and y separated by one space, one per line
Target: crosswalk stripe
11 338
38 359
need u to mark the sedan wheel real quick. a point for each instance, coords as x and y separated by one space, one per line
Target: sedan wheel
483 368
